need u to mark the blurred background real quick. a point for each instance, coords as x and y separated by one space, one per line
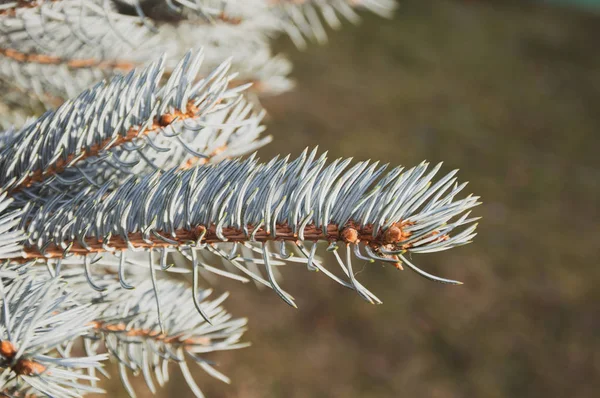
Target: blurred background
507 91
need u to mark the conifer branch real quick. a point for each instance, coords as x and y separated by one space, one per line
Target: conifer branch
56 49
387 216
303 19
168 119
59 48
128 329
37 318
123 325
240 201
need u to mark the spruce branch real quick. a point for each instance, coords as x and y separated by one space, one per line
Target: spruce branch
128 329
56 49
123 325
133 123
303 19
243 202
52 50
37 319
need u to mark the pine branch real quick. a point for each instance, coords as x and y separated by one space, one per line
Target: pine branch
125 324
129 330
389 216
37 318
303 19
161 125
56 49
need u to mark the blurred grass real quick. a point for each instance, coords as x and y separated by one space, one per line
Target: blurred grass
591 4
506 91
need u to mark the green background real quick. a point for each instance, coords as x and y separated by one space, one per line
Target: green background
507 91
578 3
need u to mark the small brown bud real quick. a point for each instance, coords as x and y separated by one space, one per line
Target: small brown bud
166 119
7 349
28 367
349 235
392 235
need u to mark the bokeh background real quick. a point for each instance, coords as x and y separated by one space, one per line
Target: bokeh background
507 91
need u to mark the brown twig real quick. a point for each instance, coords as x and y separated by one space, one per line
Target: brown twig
351 233
12 11
43 59
121 328
196 161
60 165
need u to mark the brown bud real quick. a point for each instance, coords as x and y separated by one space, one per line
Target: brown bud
349 235
7 349
392 235
28 367
166 119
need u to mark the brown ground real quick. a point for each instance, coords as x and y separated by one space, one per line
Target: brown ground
510 95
